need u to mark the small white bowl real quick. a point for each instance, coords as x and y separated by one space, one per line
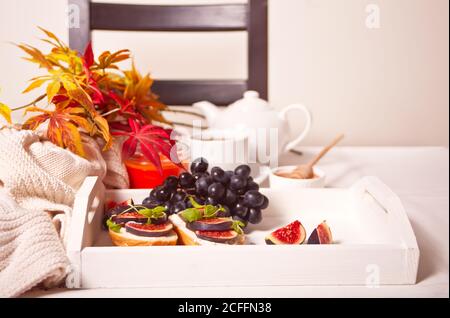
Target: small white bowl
277 182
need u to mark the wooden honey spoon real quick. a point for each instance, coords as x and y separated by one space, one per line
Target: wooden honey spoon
306 171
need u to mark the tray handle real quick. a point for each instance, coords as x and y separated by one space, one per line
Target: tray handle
390 203
85 222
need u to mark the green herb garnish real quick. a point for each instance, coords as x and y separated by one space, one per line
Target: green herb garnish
199 211
113 226
194 203
155 213
191 215
237 227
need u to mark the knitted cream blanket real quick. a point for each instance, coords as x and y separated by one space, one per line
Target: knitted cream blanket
40 181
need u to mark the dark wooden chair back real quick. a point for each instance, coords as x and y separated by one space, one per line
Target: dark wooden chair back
251 17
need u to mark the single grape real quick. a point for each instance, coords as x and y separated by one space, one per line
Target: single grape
217 172
220 176
225 213
241 210
230 198
177 208
179 196
187 181
147 200
150 203
238 218
167 206
252 185
216 191
211 201
254 216
202 185
171 182
253 199
163 194
265 205
199 165
238 183
199 175
243 171
153 194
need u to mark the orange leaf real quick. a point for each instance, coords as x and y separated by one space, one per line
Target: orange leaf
71 138
34 109
62 129
5 111
36 56
52 36
34 122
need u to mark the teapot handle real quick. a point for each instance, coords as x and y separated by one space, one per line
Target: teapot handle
284 115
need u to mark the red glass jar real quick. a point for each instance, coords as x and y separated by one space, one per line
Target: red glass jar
144 175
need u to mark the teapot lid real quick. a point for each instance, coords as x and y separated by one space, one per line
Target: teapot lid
251 102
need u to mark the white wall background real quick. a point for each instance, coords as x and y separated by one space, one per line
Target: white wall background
386 86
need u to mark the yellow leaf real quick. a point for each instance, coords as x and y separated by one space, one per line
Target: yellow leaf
76 111
83 123
53 89
75 92
5 111
143 87
103 128
35 84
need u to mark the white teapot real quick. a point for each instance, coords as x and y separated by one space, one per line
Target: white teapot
255 114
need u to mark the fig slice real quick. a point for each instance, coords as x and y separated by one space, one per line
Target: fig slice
160 220
149 230
135 216
292 234
321 235
218 236
131 216
214 224
117 210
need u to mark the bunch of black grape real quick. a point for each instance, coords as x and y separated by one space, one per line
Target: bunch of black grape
234 190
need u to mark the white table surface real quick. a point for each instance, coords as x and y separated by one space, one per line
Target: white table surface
420 176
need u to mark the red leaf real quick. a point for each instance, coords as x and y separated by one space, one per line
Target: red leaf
125 105
89 55
97 97
129 147
59 99
152 154
119 129
153 141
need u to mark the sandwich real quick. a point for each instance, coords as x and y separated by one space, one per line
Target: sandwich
140 225
207 225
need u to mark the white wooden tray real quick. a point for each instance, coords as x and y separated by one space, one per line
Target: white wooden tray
374 244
